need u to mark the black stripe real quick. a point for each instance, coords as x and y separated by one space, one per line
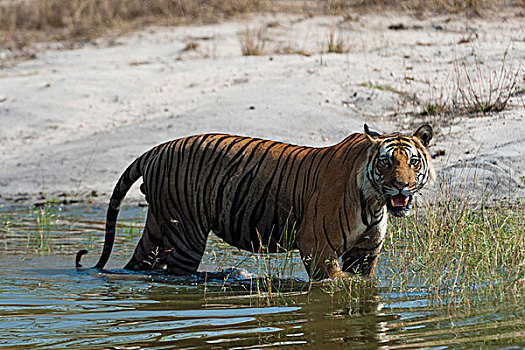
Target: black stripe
352 144
363 209
298 200
276 236
212 171
328 238
260 205
207 185
342 228
370 249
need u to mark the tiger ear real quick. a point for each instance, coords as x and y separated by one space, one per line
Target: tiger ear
372 135
424 133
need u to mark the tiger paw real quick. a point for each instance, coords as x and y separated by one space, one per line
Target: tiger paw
339 274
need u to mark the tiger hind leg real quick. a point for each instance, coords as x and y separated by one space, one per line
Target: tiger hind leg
185 247
150 253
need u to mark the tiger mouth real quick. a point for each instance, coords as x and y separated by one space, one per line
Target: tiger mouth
399 205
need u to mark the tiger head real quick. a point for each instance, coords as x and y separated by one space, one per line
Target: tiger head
399 166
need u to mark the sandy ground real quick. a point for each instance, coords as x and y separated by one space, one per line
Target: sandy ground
73 119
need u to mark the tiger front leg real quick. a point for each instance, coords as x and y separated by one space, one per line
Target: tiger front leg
320 261
319 267
150 253
357 261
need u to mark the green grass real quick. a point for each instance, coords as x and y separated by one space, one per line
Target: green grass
431 109
437 108
457 253
383 88
520 91
461 254
45 217
49 228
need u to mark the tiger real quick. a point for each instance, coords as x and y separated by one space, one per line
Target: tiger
259 195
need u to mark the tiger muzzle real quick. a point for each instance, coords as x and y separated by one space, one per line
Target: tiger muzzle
400 204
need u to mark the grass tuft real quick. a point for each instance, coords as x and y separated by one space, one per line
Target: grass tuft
252 41
383 88
473 90
336 42
482 93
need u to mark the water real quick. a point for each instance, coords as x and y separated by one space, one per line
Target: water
46 303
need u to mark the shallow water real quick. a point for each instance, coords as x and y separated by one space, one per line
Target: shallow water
46 303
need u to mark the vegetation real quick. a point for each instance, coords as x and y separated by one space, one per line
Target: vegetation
456 252
461 253
23 22
482 93
26 21
47 228
383 88
474 91
336 42
252 41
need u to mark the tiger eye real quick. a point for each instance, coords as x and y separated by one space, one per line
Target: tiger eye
384 161
414 162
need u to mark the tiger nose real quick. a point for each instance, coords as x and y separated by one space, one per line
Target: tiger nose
400 185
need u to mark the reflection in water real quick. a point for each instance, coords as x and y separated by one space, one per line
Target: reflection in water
45 303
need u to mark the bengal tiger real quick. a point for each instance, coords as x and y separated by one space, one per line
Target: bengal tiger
261 195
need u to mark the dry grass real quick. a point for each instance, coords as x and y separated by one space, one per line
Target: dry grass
473 89
26 21
291 49
469 7
482 93
337 42
252 41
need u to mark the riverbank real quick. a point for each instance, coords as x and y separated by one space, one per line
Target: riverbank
74 118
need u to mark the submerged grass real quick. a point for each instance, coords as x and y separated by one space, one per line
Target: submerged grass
38 224
45 220
49 228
